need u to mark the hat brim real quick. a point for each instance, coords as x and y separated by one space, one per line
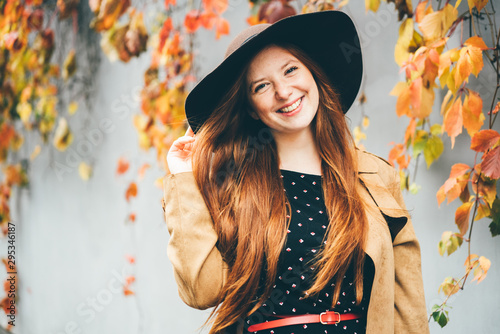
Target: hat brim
329 38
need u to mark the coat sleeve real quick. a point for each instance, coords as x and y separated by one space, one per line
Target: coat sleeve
198 267
410 314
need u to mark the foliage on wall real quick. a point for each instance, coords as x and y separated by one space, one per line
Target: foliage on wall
31 89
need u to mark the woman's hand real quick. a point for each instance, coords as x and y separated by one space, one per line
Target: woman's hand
179 155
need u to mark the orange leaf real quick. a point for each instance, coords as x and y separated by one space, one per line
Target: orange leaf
129 280
422 10
453 121
131 217
217 6
402 91
421 98
123 166
462 217
477 42
127 291
458 170
491 163
208 19
130 259
479 4
484 140
472 113
142 170
496 109
165 32
192 21
131 191
222 27
169 2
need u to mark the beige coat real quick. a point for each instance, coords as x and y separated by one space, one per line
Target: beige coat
397 299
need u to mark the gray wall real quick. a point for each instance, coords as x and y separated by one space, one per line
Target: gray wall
72 236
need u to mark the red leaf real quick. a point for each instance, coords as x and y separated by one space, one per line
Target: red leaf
222 27
483 140
169 2
192 21
491 163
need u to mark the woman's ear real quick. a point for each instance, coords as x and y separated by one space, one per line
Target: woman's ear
253 114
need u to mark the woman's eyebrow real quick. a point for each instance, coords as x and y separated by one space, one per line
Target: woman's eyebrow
282 67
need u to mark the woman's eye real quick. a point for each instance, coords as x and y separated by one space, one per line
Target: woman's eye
259 87
291 69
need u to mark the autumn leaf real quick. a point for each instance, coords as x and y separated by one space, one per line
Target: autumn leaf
221 27
192 21
123 166
143 169
435 25
131 217
472 113
131 191
169 2
69 66
479 4
433 149
216 6
208 19
421 99
462 217
372 5
109 12
63 136
85 171
483 210
484 140
165 30
449 243
453 121
490 166
449 286
72 108
422 10
130 259
402 91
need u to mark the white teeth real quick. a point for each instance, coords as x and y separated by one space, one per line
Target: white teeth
291 108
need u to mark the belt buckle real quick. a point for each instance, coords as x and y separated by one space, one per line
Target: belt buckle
326 322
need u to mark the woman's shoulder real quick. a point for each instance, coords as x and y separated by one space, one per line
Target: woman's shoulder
369 163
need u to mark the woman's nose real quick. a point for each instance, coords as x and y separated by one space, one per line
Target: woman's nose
282 90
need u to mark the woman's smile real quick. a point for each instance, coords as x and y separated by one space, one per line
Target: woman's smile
292 109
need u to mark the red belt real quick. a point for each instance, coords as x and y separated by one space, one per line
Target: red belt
326 318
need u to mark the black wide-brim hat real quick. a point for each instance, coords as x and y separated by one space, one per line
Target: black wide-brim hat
329 38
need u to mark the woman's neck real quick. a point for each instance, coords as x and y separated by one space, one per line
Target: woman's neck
298 152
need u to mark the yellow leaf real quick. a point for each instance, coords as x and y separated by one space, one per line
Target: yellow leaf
422 99
483 210
372 5
63 136
477 42
35 152
366 122
479 4
435 25
85 171
401 51
24 111
73 107
449 286
358 134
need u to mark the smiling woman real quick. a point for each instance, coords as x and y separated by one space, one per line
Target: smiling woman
276 219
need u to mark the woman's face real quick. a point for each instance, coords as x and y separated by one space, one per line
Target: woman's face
282 92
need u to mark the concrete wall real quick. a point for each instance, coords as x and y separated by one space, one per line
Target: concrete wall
72 236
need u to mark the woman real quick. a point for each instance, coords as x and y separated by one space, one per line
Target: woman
275 218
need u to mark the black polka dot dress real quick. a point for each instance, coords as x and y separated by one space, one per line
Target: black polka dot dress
307 228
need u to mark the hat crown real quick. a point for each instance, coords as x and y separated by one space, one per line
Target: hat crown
244 37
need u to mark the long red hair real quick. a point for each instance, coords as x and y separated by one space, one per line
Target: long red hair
236 166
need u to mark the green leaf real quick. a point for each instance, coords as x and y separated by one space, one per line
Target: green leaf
442 319
433 150
414 188
420 142
495 215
